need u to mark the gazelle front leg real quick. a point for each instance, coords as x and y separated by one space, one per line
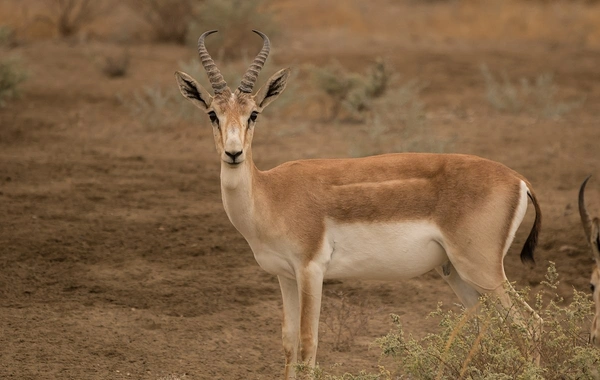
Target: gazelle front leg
310 288
290 327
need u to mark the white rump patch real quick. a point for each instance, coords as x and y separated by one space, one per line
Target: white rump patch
517 219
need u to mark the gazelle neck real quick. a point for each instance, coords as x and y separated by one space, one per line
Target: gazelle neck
237 194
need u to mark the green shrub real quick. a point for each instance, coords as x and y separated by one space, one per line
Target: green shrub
12 75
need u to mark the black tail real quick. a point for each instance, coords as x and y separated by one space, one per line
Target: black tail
531 242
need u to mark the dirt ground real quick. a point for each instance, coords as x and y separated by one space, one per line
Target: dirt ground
117 259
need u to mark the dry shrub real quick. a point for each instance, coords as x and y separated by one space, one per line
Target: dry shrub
12 75
116 66
537 96
488 343
69 16
152 106
397 122
7 36
345 319
235 20
169 20
305 372
352 91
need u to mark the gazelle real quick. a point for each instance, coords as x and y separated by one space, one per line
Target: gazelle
592 232
386 217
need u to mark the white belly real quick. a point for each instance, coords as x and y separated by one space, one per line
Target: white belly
383 251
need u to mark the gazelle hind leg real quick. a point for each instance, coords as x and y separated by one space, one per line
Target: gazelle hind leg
467 294
517 306
493 281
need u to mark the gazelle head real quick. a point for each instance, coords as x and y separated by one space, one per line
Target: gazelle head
233 114
592 232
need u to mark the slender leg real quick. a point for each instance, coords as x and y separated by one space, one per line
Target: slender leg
310 287
493 281
467 295
535 328
290 327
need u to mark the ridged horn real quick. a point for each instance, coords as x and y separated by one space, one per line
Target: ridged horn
214 75
585 217
251 75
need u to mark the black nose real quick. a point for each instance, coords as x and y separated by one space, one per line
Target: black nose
234 155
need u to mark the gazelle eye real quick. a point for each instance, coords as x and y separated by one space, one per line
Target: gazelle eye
592 288
213 117
253 117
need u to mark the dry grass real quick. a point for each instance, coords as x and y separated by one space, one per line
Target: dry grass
490 342
169 20
69 16
235 20
557 22
344 319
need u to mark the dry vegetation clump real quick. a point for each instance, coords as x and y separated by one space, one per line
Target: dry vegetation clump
12 75
352 91
536 96
7 35
398 123
344 319
487 343
116 66
69 16
169 20
392 117
235 19
152 106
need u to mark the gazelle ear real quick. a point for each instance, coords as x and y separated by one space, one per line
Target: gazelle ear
193 91
595 239
272 89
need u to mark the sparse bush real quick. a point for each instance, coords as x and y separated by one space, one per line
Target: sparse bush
7 35
235 20
397 122
491 343
536 96
115 66
70 16
344 319
487 342
353 91
169 19
11 76
153 106
305 372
